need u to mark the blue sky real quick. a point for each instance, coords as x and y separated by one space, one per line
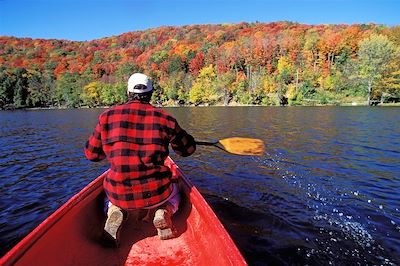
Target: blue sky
94 19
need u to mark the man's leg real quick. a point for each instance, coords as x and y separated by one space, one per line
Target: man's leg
175 200
163 217
115 217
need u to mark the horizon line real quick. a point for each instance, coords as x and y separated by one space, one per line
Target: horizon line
196 24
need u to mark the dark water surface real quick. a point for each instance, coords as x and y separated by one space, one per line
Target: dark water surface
326 192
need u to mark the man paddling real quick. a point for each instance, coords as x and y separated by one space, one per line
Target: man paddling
134 137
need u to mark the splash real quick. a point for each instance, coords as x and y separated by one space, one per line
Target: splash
342 231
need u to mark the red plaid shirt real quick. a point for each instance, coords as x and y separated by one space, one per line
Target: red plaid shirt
134 138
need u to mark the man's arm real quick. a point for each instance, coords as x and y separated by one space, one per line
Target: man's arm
182 142
93 148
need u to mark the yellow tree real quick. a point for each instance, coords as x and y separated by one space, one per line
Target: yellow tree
90 94
310 49
285 70
390 87
375 60
204 88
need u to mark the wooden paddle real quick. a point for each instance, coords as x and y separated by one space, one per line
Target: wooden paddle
236 145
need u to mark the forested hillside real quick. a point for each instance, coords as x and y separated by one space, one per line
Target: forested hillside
246 63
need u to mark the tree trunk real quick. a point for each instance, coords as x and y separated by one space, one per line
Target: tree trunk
369 92
249 78
226 96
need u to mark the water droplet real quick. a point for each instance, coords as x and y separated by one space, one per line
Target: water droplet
369 201
381 207
356 193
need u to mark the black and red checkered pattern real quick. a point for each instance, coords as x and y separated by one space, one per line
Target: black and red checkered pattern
134 137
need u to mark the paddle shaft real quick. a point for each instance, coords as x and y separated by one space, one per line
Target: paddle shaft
206 143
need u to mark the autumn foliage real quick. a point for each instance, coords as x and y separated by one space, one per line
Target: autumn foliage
246 63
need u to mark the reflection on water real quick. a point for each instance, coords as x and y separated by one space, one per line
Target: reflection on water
326 191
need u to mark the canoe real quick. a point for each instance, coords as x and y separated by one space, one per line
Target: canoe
71 235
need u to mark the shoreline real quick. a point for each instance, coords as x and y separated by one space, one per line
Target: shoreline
214 105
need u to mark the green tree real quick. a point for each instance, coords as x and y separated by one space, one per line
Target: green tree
225 81
175 64
36 97
172 87
375 55
20 88
7 81
183 91
111 94
159 56
120 92
125 70
49 85
106 93
68 91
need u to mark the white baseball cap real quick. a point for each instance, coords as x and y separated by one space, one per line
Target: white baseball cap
139 78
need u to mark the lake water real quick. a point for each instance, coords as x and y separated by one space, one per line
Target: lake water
326 192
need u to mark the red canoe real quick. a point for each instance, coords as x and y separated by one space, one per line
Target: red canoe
70 236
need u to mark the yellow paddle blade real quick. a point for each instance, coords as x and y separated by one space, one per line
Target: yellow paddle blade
243 146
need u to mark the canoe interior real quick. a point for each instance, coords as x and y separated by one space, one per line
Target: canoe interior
71 236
